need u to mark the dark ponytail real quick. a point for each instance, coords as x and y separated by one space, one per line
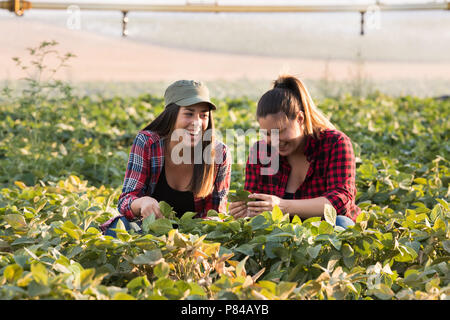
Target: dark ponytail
290 96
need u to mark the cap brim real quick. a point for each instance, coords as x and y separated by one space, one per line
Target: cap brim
193 100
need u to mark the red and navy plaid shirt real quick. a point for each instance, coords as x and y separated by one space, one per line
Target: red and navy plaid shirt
331 172
145 165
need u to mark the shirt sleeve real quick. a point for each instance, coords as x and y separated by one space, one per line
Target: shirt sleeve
341 173
136 174
252 170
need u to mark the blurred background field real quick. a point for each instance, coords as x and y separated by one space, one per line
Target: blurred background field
405 52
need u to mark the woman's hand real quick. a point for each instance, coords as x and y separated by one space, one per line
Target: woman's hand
267 203
147 206
237 209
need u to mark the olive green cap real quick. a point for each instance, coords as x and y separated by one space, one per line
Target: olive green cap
187 92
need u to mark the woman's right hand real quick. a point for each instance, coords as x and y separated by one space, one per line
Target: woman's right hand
237 209
148 206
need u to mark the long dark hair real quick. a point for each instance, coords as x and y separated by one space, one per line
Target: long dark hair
290 96
202 181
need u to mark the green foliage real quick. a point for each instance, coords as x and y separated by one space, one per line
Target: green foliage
51 248
62 161
239 195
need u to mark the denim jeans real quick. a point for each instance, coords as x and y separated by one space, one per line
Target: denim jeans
344 222
113 225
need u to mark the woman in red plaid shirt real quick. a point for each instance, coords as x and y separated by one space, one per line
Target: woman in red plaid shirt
173 160
316 163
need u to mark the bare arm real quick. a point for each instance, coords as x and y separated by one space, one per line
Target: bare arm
304 208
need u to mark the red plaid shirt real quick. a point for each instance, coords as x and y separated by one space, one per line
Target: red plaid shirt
331 173
145 165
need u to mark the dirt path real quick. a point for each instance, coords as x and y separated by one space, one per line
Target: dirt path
102 58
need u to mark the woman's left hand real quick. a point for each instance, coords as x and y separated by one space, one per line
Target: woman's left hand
267 203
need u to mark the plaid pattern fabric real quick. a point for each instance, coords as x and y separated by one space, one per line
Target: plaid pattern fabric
145 165
331 173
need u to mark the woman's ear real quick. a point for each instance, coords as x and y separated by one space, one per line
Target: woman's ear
301 117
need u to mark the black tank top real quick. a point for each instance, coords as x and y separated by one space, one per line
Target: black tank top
181 201
288 195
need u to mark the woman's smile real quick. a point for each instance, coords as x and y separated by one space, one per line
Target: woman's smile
283 147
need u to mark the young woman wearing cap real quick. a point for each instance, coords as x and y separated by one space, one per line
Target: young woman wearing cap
316 161
163 164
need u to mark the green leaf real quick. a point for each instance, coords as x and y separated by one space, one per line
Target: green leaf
311 220
212 213
240 268
138 282
268 285
12 272
446 245
146 223
436 212
363 216
162 269
71 229
180 240
121 232
420 181
196 290
83 205
240 195
329 214
86 277
269 247
439 224
163 283
123 296
363 247
120 226
38 289
246 249
167 210
40 274
161 226
284 289
314 251
24 240
283 253
443 203
16 221
335 242
235 226
348 255
151 257
277 214
407 254
368 171
188 216
20 184
296 220
325 228
259 222
382 291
